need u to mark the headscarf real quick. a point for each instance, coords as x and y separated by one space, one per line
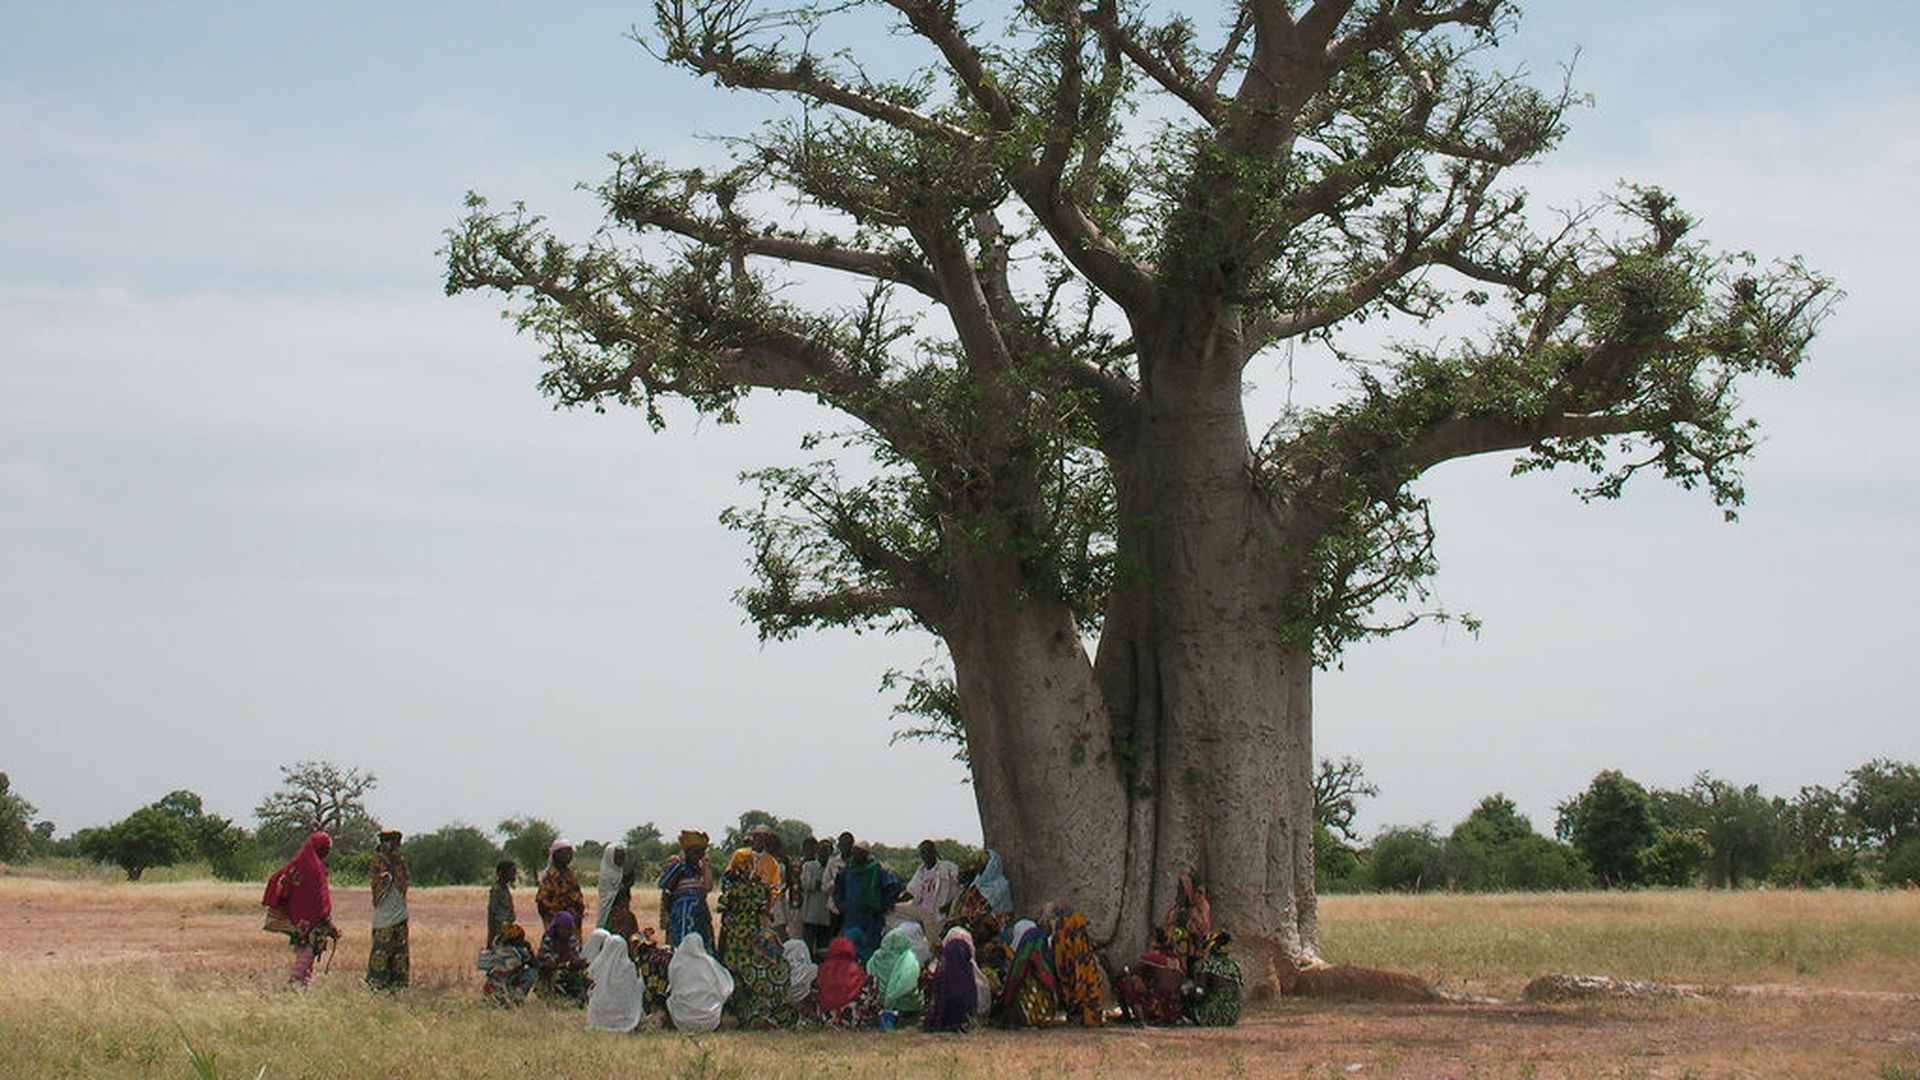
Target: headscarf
617 1001
559 843
300 887
896 970
800 971
558 931
956 997
610 874
1190 911
742 862
917 941
993 884
1019 931
697 986
983 990
840 978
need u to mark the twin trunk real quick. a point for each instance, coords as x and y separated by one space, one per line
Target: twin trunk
1187 747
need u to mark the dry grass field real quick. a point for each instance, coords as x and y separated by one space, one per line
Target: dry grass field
111 979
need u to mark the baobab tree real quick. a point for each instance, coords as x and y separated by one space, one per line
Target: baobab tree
1062 245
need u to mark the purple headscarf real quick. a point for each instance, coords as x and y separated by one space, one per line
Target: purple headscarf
955 997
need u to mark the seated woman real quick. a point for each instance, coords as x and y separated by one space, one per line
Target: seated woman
651 958
1029 996
1215 998
992 954
563 971
895 970
1150 991
697 986
844 995
509 967
763 983
801 971
616 1000
955 987
1082 990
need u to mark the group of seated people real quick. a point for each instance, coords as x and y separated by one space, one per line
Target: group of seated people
987 967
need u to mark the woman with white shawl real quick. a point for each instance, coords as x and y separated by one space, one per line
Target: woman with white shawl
993 884
800 972
617 1000
613 866
697 986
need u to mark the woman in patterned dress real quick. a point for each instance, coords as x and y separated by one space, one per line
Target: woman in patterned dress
563 971
1029 996
1215 999
1082 990
560 890
684 884
509 967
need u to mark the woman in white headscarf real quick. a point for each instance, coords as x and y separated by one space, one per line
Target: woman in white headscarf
917 941
697 986
560 889
992 883
613 865
800 973
617 1000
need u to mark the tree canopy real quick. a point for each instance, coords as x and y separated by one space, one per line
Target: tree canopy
16 823
318 796
1032 254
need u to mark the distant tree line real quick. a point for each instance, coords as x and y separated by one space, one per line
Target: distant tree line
318 795
1620 834
1615 834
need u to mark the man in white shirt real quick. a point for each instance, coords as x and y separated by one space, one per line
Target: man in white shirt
933 885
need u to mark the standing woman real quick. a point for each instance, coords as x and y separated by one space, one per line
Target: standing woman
300 906
387 961
743 908
684 884
613 865
560 889
500 900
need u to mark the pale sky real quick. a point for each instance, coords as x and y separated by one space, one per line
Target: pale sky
267 495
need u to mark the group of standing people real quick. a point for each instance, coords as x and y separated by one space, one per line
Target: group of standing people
835 940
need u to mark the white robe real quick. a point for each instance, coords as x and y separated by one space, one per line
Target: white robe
800 971
617 1001
697 986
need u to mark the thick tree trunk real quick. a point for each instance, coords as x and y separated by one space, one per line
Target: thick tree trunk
1050 799
1218 705
1187 748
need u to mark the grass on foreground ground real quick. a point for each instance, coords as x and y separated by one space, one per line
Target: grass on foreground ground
107 979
